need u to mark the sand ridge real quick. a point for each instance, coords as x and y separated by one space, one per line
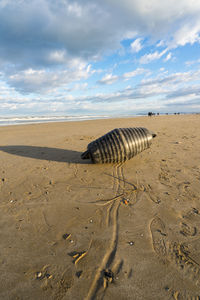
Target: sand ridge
74 230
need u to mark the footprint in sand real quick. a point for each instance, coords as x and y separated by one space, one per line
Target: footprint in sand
190 223
188 230
177 295
159 236
175 253
164 175
151 194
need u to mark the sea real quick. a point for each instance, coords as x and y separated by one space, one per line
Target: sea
19 120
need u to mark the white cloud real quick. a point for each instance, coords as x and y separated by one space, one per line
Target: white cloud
160 44
172 79
46 45
78 87
187 34
75 9
177 90
44 81
61 30
108 79
168 57
152 19
136 45
191 92
57 56
134 73
192 62
147 58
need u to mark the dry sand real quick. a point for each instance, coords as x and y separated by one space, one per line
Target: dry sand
58 240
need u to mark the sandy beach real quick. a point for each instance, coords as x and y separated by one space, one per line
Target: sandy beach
71 229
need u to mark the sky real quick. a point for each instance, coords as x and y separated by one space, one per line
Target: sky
99 57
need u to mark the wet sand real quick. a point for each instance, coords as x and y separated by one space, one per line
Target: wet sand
74 230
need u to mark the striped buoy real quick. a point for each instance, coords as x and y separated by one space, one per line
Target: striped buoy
119 145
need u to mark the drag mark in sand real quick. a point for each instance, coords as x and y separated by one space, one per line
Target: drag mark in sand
109 264
104 274
100 278
124 193
173 252
117 175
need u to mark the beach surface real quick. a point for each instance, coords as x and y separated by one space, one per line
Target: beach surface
71 229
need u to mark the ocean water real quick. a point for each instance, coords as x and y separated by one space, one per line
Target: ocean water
19 120
15 120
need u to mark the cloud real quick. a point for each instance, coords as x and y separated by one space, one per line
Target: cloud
191 91
169 93
61 30
185 104
108 79
192 62
172 79
166 94
56 32
134 73
147 58
47 44
44 81
136 45
161 43
78 87
187 34
168 57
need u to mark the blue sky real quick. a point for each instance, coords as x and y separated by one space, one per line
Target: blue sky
99 57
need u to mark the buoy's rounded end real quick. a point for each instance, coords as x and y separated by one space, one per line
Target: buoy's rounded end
153 134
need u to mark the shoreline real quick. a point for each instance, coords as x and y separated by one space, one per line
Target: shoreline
41 120
10 121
